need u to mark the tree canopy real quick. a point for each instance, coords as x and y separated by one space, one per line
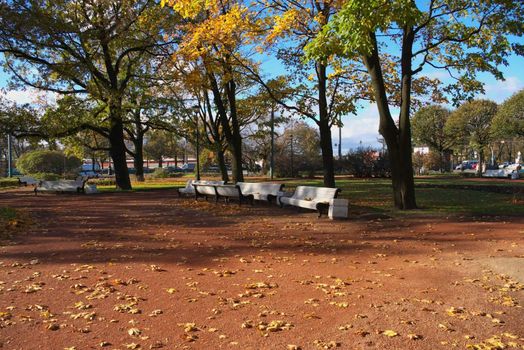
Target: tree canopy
509 120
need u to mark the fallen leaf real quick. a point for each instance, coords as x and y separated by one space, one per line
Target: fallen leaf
390 333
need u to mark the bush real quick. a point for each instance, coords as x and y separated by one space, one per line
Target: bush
160 173
8 182
55 162
104 182
45 176
366 162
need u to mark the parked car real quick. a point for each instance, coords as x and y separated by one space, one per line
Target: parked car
90 173
467 165
174 169
188 168
212 169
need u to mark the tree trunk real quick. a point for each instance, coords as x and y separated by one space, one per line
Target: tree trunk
236 139
480 164
222 164
398 140
325 129
138 156
138 143
118 150
160 162
231 131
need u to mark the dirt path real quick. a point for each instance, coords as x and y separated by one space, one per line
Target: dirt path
148 270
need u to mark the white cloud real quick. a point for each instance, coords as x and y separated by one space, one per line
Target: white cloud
361 127
29 95
498 91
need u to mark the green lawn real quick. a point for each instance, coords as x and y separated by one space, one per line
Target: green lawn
7 215
375 195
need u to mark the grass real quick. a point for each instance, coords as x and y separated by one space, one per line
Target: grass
7 214
375 195
8 220
149 185
6 182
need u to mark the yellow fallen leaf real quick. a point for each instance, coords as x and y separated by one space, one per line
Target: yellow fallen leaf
390 333
134 332
414 336
293 347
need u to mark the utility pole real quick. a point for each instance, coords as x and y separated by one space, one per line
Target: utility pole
272 160
292 170
9 156
340 139
196 109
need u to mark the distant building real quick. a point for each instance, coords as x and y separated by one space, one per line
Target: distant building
421 150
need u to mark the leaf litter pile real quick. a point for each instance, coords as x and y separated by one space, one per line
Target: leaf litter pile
152 271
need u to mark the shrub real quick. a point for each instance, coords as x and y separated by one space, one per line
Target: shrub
47 162
366 162
104 182
45 176
160 173
8 182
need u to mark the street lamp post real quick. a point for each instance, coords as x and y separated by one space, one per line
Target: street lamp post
196 109
272 162
292 170
340 139
9 156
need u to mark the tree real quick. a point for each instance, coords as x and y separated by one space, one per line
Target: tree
160 144
298 150
214 35
87 144
319 90
463 37
428 126
471 123
47 162
509 120
87 48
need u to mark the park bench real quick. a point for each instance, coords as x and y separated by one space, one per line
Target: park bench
62 186
217 191
189 189
261 191
233 191
206 189
321 199
27 181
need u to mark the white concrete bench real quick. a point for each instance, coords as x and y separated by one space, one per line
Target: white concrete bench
206 188
261 191
233 191
309 197
188 190
27 181
61 186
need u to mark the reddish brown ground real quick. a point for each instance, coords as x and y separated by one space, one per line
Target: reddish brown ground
94 268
